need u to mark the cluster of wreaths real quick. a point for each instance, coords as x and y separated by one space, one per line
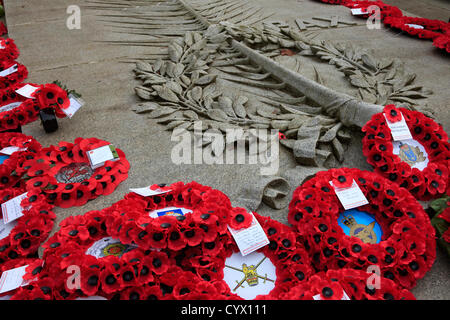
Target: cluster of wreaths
107 268
436 30
64 175
17 110
98 255
21 238
404 252
400 167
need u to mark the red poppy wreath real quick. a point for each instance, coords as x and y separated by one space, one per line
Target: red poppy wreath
8 50
439 211
419 164
392 232
16 148
11 73
22 237
420 27
64 174
15 110
184 215
443 42
347 284
107 268
264 274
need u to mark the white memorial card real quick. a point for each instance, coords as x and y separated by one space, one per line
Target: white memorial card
75 105
12 210
99 156
10 150
147 192
27 91
12 279
251 238
351 197
399 129
9 71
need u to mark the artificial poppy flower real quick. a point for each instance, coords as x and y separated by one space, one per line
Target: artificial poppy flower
392 113
240 219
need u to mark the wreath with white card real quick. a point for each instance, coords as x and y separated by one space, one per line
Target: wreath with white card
392 231
66 177
26 222
15 148
419 164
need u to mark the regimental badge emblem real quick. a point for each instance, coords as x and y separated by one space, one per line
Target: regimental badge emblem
173 213
361 231
109 247
251 276
74 173
410 154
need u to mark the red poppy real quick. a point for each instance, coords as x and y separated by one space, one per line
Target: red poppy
240 219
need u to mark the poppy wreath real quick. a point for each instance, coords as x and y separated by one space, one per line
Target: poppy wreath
9 177
429 183
287 255
431 28
64 175
16 77
443 42
107 269
13 264
347 284
30 230
8 50
385 9
405 251
46 96
210 213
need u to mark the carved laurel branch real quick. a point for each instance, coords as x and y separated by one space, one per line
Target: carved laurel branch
379 81
183 90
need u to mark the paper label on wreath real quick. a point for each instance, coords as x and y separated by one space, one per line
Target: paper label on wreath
9 71
27 91
169 211
99 156
351 197
344 296
415 26
147 192
10 150
399 129
5 229
10 106
108 247
12 209
412 152
12 279
249 276
251 238
359 11
91 298
3 158
75 105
